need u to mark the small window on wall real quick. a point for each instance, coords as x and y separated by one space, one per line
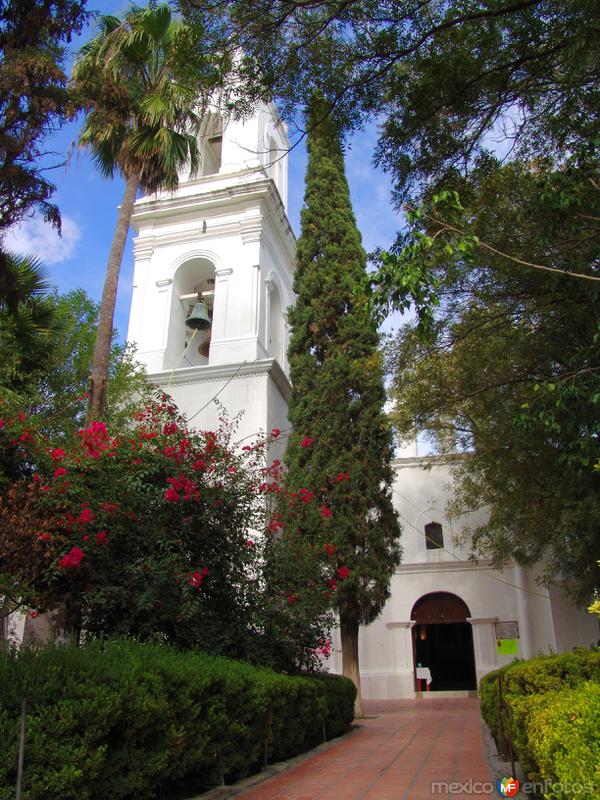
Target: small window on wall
434 536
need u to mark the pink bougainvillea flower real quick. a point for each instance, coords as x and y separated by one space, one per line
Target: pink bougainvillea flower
2 423
59 472
275 433
325 512
44 537
33 614
22 416
195 578
85 537
292 599
109 508
57 454
171 495
98 428
305 495
342 476
199 465
87 515
325 648
332 584
330 549
169 428
101 537
343 573
275 525
73 559
307 441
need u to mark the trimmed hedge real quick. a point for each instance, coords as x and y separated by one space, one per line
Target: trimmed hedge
130 720
564 737
538 694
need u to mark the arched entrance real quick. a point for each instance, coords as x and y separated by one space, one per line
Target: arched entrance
443 641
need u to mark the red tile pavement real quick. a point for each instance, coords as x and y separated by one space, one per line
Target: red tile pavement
397 755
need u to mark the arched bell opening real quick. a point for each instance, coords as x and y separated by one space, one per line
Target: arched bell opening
275 324
211 144
192 304
443 643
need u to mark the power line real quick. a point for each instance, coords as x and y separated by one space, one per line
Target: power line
465 561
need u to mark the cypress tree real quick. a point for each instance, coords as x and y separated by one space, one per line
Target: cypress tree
338 396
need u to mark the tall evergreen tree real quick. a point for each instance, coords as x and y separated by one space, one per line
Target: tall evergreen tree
336 409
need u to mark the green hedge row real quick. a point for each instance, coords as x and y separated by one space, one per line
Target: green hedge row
550 714
130 720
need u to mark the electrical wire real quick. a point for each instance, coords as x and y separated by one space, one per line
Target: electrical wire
465 561
225 385
179 360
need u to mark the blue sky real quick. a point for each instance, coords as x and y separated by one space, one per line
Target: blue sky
88 204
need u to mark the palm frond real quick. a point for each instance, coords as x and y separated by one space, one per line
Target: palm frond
140 118
156 22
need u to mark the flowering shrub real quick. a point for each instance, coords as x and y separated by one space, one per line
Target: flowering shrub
149 531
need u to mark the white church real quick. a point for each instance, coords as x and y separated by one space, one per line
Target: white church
224 237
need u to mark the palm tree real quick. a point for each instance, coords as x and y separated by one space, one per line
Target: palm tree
142 123
28 323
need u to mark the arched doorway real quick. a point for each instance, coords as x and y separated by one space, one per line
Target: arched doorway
443 641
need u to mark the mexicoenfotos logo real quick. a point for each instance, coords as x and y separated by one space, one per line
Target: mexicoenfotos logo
507 787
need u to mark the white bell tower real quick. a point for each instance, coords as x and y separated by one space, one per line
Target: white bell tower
224 235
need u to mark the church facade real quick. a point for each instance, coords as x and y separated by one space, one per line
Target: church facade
223 239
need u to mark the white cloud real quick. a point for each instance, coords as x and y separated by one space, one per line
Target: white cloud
35 237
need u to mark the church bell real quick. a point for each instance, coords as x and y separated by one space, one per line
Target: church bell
199 319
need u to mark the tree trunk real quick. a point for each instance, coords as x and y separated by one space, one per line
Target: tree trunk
104 333
350 665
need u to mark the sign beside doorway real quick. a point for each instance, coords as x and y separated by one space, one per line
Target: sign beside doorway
507 630
507 647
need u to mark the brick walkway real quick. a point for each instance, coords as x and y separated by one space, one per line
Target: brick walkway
394 756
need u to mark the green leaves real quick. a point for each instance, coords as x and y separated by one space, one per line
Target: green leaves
143 111
509 372
336 410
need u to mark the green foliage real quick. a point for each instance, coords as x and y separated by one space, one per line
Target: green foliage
142 114
564 735
444 79
46 344
509 372
340 696
28 323
34 100
531 687
128 720
340 452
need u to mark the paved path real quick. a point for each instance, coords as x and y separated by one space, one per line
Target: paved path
396 755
